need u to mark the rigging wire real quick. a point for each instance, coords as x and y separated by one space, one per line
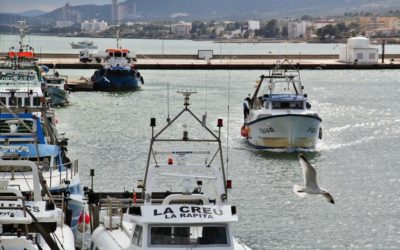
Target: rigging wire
168 118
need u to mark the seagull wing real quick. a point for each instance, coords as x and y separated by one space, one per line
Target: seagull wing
329 197
299 190
309 173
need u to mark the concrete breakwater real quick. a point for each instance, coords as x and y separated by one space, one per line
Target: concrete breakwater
236 62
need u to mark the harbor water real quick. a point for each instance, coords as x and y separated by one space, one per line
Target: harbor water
41 44
357 160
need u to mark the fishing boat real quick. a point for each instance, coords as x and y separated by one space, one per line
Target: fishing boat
278 117
118 72
56 87
29 217
21 69
28 132
183 201
83 45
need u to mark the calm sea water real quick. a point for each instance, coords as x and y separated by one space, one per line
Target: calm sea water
358 159
41 44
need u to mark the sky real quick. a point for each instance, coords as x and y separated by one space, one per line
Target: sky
16 6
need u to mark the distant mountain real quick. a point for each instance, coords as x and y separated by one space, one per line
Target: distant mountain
32 13
156 9
215 9
87 12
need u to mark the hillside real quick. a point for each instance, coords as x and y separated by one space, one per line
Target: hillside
222 9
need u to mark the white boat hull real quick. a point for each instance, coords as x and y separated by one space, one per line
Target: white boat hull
285 132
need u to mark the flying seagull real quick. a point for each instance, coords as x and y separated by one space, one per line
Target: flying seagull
310 181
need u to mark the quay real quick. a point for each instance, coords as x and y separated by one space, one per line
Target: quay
221 62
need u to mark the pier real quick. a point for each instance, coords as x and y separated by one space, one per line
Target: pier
221 62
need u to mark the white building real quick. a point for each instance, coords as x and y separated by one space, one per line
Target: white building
181 28
64 23
358 51
254 25
297 29
320 23
94 26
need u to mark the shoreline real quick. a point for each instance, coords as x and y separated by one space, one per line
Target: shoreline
375 41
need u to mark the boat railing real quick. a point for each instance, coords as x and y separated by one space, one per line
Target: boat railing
59 200
71 170
114 213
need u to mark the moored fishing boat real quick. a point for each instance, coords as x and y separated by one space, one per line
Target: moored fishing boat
118 72
22 70
56 87
278 117
166 215
28 132
30 219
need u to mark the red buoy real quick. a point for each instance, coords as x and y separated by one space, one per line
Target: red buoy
244 131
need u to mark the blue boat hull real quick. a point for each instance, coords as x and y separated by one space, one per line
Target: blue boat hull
116 80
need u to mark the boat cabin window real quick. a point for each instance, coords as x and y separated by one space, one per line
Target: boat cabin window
124 54
36 101
287 105
3 100
117 54
137 236
189 235
27 101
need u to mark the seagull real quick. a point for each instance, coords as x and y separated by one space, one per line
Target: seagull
310 182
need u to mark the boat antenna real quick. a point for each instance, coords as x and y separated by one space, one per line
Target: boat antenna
118 37
204 118
22 32
168 118
227 121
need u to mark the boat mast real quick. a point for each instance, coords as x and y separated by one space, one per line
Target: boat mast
117 38
22 32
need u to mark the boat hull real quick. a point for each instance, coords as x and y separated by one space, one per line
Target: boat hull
284 132
116 80
59 97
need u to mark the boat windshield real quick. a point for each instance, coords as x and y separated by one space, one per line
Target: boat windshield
189 235
287 105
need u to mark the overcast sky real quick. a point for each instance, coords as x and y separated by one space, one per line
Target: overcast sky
15 6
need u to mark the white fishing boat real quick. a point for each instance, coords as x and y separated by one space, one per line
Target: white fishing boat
184 198
28 132
22 70
55 85
278 117
30 219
